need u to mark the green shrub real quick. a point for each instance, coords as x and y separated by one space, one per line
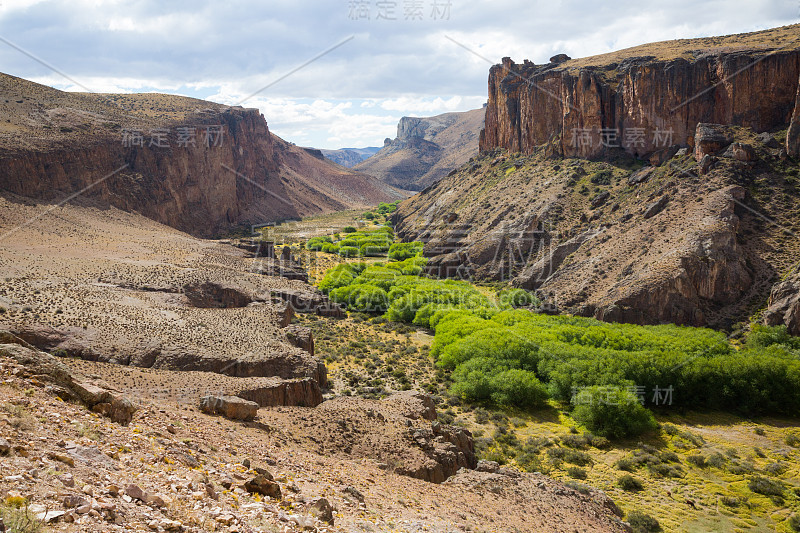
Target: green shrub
612 412
794 522
629 483
348 251
400 251
643 523
361 297
349 229
514 298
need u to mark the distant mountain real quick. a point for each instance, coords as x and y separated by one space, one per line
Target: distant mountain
350 157
426 149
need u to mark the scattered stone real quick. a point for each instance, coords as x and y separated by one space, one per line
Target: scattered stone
69 461
600 199
261 484
135 492
656 207
740 152
768 140
706 163
231 407
321 509
5 447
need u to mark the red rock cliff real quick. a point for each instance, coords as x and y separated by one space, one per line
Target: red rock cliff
647 98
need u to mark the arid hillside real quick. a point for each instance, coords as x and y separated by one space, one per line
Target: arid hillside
197 166
426 149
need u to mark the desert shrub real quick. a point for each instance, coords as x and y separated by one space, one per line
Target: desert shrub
613 413
766 486
792 440
643 523
697 460
629 483
349 229
401 251
348 251
17 518
576 472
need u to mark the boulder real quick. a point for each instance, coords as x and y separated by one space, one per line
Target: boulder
209 294
740 152
656 207
322 510
560 58
261 484
709 139
231 407
304 392
706 164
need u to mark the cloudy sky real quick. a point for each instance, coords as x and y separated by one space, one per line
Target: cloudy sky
337 73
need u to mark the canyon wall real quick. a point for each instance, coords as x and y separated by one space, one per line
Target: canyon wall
641 104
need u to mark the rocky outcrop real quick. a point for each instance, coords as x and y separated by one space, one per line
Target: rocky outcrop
426 149
66 383
633 91
231 407
793 135
413 404
784 304
448 449
300 392
209 294
301 337
310 302
76 342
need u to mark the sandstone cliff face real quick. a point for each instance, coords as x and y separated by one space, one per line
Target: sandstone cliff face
531 105
232 171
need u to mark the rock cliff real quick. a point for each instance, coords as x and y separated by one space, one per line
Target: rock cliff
426 149
644 99
196 166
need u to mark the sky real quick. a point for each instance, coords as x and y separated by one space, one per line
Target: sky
337 73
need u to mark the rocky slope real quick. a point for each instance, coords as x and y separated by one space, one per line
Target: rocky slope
662 90
690 242
349 157
194 165
426 149
109 286
174 468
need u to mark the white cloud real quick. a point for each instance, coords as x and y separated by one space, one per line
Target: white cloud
355 94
